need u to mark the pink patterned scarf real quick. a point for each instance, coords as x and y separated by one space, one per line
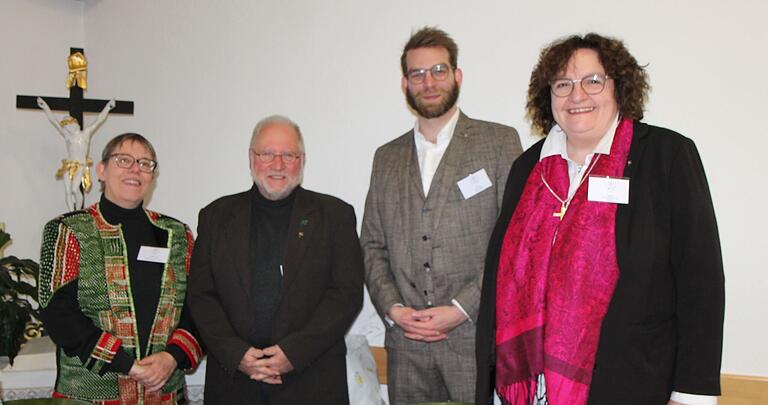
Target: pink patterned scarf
555 280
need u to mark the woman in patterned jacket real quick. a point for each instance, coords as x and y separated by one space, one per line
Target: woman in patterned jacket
112 289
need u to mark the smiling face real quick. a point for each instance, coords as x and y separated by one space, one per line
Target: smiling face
276 179
432 98
585 117
126 187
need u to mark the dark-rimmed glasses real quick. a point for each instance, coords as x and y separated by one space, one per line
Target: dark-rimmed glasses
439 72
126 161
288 157
591 84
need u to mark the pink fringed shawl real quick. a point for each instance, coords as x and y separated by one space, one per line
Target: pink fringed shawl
555 280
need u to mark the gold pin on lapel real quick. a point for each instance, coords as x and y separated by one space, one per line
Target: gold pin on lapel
301 234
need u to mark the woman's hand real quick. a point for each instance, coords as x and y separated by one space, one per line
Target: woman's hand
153 371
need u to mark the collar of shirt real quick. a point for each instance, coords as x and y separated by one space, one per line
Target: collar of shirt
555 144
443 137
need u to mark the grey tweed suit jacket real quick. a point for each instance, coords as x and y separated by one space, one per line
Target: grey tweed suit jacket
423 251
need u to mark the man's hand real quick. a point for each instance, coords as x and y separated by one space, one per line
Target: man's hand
671 402
415 327
272 365
442 319
153 371
248 363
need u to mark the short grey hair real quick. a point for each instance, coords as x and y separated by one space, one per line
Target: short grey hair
277 119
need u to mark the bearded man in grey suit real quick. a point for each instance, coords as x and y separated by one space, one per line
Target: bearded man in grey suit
434 197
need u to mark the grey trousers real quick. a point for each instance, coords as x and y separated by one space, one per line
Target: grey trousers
435 372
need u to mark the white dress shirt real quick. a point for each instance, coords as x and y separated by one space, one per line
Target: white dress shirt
430 154
555 144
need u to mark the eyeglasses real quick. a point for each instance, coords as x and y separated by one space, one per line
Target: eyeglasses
439 72
592 84
288 157
126 161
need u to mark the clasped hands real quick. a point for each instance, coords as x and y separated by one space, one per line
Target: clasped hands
153 371
427 325
266 365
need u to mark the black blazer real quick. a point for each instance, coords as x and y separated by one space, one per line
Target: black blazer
322 293
664 326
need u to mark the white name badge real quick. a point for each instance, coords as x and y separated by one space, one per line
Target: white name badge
608 189
154 254
474 183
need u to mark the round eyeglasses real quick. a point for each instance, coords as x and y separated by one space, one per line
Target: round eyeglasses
288 157
439 72
126 161
592 84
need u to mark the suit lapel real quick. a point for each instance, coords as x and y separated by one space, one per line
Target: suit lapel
238 236
304 222
412 171
444 182
410 176
624 211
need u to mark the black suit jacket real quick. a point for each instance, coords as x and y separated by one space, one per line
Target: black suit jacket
322 292
664 326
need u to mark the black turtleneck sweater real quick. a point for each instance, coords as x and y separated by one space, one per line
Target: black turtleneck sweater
77 334
269 227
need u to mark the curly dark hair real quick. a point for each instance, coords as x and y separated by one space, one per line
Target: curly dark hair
631 79
431 37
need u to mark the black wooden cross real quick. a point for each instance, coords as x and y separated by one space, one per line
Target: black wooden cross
75 104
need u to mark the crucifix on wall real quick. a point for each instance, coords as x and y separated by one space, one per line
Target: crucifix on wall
75 170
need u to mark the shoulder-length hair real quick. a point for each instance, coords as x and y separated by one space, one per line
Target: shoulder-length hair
630 79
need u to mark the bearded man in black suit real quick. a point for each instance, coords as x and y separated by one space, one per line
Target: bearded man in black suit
276 281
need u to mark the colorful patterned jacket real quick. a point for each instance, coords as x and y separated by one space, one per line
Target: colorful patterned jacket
82 246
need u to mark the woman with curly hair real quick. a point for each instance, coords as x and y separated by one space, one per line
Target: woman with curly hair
604 278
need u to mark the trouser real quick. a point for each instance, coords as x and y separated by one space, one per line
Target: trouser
433 372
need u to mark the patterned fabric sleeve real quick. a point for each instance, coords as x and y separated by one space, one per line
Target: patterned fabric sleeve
186 337
59 259
187 342
103 353
60 312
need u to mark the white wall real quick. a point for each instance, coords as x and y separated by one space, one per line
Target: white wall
35 37
202 73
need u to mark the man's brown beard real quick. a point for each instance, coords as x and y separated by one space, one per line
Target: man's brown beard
434 111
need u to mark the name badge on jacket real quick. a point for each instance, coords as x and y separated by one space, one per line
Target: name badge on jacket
608 189
474 183
154 254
